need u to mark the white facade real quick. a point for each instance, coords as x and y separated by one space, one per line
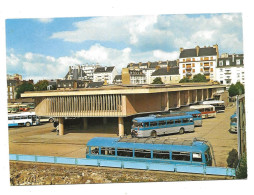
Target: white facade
148 74
105 75
89 70
206 65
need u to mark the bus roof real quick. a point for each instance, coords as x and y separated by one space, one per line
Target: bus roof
213 102
201 106
195 146
190 111
233 116
161 118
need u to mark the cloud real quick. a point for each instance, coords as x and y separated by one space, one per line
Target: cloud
45 20
163 32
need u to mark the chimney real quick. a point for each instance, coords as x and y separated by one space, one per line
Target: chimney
168 68
157 67
217 49
181 49
197 49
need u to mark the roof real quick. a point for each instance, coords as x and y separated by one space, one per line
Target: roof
232 60
104 69
118 77
152 118
76 73
201 106
163 71
206 51
190 146
95 84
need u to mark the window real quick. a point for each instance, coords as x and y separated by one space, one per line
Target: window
153 124
193 59
146 124
201 58
211 58
178 121
193 70
201 69
211 63
183 71
183 60
227 62
201 64
221 63
107 151
184 156
185 120
238 62
162 123
193 64
211 69
170 122
197 157
183 65
10 118
142 153
161 154
124 152
95 150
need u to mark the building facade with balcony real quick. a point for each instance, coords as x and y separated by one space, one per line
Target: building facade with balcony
105 74
230 69
198 60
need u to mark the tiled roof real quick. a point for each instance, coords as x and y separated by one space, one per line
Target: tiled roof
163 71
206 51
118 77
95 84
104 69
231 62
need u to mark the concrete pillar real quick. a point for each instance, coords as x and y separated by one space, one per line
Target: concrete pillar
61 126
196 98
104 120
188 100
207 94
121 126
85 123
178 99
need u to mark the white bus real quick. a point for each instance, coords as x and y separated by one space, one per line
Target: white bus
23 119
207 111
219 105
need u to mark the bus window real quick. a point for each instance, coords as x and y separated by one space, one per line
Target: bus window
185 156
146 124
143 153
170 122
161 154
124 152
136 124
207 155
162 123
207 109
10 118
186 120
197 157
107 151
194 116
234 120
95 150
17 117
23 117
177 121
153 124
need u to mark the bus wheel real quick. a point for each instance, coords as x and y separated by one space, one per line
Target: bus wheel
154 134
51 120
181 131
28 124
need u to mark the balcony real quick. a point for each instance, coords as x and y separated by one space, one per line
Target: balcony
206 72
188 73
188 67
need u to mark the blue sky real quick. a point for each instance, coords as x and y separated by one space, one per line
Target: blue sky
44 48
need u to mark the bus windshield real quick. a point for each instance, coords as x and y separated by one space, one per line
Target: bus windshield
136 124
234 120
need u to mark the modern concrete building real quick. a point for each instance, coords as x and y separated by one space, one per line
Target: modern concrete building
230 69
102 74
119 101
198 60
168 75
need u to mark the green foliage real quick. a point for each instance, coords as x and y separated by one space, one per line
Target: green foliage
185 80
24 87
41 85
236 89
241 171
232 159
157 80
199 78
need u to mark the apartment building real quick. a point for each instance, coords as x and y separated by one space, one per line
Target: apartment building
168 75
105 74
198 60
230 69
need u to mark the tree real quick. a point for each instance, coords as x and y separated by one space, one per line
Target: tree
199 78
157 80
232 159
240 88
41 85
241 171
23 87
185 80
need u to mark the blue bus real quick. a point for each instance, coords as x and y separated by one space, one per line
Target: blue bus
154 125
197 116
233 123
188 152
23 119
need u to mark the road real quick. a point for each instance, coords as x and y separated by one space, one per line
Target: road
41 140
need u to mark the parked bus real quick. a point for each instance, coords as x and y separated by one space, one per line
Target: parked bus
46 119
197 116
207 111
219 105
186 152
23 119
23 108
233 123
154 125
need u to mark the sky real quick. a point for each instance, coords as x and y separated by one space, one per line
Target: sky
44 48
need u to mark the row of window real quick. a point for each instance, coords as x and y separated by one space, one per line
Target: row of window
157 154
221 63
193 64
193 59
163 123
